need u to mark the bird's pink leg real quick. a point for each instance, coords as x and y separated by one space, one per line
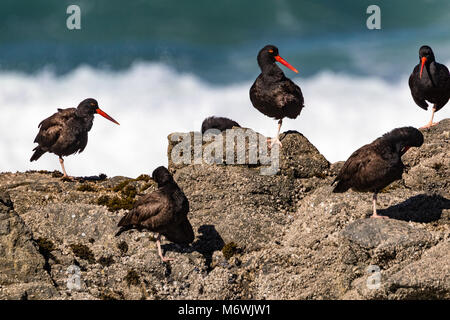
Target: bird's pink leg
431 123
61 161
277 138
158 243
374 202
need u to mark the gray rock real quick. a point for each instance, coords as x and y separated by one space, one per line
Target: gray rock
428 278
429 165
382 241
298 158
293 238
22 274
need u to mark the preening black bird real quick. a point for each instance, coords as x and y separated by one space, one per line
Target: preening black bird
163 211
376 165
430 81
272 93
66 132
219 123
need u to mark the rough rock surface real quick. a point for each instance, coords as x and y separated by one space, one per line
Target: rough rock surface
283 236
22 267
298 158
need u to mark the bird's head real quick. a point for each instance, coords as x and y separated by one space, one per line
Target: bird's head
426 56
405 138
269 54
90 106
162 176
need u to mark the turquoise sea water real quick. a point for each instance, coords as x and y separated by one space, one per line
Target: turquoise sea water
218 40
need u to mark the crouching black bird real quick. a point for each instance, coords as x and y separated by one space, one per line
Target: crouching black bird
66 131
272 93
163 211
376 165
430 81
219 123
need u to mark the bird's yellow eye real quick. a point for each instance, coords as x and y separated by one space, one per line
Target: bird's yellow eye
92 103
270 50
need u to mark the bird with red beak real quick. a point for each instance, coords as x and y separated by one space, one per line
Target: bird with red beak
66 132
430 81
272 93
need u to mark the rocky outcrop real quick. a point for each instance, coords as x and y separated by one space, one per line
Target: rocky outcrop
297 159
23 272
429 165
258 236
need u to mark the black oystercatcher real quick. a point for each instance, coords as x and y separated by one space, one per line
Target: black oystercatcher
66 132
429 81
219 123
163 211
272 93
376 165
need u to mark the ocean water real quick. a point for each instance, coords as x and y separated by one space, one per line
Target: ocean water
163 66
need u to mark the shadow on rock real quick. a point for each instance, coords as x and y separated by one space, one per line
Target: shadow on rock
208 241
420 208
100 177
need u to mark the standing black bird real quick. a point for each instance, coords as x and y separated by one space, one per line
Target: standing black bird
163 211
432 85
66 131
219 123
376 165
272 93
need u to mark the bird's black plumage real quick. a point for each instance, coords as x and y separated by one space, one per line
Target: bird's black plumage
66 132
163 211
272 93
376 165
219 123
434 84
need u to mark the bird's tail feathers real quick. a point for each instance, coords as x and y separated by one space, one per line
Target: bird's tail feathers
38 152
123 229
126 219
340 187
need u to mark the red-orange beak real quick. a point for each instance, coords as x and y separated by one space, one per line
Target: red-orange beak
421 67
284 62
104 114
405 149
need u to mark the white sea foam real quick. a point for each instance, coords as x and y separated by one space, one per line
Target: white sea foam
150 101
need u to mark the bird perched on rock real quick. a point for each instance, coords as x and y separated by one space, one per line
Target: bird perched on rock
430 81
66 132
272 93
376 165
163 211
219 123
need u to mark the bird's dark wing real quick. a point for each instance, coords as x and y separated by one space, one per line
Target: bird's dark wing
57 118
287 92
416 93
50 128
351 168
370 168
150 211
444 82
361 170
444 74
181 233
83 142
